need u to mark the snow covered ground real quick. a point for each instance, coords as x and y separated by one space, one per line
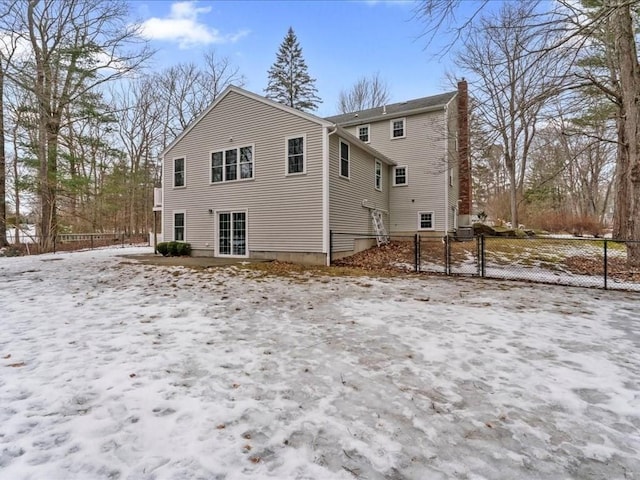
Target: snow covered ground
111 369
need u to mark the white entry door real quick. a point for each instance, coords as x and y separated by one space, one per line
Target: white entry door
232 234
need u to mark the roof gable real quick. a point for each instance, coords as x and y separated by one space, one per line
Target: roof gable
252 96
410 107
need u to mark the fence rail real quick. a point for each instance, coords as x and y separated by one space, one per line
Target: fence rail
78 241
600 263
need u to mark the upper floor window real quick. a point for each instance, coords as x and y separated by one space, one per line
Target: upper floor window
232 164
400 176
425 221
363 133
398 128
295 155
378 175
344 159
178 226
178 172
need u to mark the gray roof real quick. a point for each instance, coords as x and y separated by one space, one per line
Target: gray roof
409 107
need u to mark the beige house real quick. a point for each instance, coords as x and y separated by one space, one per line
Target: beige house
430 189
251 178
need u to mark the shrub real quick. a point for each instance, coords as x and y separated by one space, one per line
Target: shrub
10 251
163 248
183 249
174 249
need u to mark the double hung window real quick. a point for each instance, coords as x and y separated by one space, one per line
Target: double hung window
398 128
400 176
232 164
178 226
344 159
295 155
425 221
178 172
363 133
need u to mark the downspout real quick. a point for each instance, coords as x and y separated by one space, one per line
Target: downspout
446 170
164 203
326 231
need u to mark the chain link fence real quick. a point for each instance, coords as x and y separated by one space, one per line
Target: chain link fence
77 241
599 263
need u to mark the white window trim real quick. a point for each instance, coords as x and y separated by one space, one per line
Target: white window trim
433 221
377 164
304 155
406 174
184 175
341 141
404 128
173 225
224 173
216 216
368 132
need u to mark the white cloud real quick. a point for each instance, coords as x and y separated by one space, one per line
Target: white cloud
182 26
18 47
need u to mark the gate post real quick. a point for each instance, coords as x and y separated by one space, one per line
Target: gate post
447 255
479 265
606 266
330 246
416 253
483 250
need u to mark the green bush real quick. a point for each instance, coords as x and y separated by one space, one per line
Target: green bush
163 248
183 249
174 249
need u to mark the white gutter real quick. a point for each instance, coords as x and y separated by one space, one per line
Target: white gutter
164 201
326 232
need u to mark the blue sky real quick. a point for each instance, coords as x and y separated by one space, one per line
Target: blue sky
341 41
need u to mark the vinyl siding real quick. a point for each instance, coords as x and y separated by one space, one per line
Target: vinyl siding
346 213
423 152
284 213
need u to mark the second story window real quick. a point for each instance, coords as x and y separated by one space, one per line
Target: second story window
178 172
398 128
363 133
295 155
232 164
400 176
378 175
344 159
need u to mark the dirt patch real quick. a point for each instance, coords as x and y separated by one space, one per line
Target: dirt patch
194 262
392 257
616 268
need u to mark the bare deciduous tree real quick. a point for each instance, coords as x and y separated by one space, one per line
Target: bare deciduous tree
367 92
75 46
8 46
580 25
511 84
186 90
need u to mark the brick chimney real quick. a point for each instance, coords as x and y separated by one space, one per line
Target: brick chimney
464 160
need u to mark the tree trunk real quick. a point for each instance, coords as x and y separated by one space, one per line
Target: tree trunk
16 182
630 118
3 177
621 182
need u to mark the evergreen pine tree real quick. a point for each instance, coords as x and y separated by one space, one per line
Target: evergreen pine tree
289 81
